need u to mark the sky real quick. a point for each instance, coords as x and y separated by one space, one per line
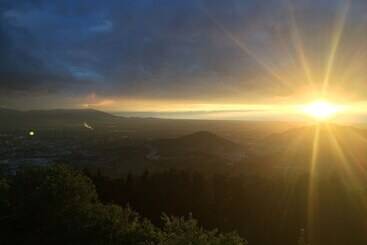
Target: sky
174 56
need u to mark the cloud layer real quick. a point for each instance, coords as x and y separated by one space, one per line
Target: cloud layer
74 52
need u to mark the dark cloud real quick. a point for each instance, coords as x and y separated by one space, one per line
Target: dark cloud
163 48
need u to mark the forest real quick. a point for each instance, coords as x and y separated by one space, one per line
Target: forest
263 209
58 205
61 205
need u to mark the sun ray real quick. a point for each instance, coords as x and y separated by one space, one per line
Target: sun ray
353 177
298 43
346 161
339 27
312 194
354 65
338 149
291 150
243 47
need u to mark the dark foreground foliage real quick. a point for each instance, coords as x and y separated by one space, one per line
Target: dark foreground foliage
265 209
57 205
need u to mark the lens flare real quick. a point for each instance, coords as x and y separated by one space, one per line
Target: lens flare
321 110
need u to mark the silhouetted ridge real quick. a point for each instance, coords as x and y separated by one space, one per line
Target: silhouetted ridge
307 133
52 118
71 114
202 141
329 146
206 138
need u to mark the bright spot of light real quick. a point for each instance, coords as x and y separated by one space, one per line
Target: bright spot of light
321 110
86 125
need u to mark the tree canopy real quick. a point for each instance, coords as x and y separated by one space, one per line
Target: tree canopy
59 205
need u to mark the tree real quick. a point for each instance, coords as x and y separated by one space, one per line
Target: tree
58 205
181 231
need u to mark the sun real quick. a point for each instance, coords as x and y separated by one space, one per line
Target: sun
321 110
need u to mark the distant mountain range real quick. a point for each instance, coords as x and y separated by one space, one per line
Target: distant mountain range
203 151
243 132
326 147
14 119
202 141
204 145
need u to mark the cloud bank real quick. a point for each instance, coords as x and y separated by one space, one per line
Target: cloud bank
74 53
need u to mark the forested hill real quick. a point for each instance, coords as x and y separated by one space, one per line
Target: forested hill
203 141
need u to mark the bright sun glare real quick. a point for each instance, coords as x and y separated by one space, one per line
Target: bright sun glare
321 110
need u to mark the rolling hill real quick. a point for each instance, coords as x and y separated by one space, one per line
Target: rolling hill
201 144
323 148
